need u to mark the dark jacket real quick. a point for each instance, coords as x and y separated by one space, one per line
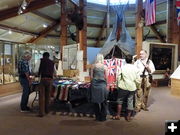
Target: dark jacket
46 68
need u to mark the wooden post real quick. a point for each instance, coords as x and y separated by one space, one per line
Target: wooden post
138 29
173 30
83 32
63 23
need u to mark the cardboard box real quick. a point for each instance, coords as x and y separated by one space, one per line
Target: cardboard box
87 79
70 73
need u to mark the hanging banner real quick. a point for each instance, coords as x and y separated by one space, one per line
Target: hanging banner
178 11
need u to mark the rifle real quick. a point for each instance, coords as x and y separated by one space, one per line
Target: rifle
144 76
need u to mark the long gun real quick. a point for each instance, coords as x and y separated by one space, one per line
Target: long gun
143 74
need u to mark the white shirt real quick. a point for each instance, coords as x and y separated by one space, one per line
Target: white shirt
140 66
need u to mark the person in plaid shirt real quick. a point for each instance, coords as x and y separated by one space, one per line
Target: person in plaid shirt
24 79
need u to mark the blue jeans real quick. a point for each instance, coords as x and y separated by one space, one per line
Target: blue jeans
25 93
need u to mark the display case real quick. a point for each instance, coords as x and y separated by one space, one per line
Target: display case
7 64
10 54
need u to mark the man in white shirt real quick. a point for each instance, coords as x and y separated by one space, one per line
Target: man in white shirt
146 68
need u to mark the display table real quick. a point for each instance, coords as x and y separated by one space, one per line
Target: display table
175 87
175 81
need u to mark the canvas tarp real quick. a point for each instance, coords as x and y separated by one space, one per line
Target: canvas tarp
125 43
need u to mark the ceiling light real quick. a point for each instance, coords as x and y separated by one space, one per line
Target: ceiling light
57 1
10 32
45 25
23 7
20 11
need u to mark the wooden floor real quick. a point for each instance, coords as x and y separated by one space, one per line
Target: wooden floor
163 106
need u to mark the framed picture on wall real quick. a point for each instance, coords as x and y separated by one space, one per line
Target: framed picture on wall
163 55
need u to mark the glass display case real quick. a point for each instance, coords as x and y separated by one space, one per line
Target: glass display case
10 54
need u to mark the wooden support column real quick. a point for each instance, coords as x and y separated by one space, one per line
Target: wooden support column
83 32
173 31
138 29
63 23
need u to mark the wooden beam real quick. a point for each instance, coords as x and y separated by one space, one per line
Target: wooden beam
34 5
158 35
83 32
43 16
161 22
63 24
138 28
44 32
102 30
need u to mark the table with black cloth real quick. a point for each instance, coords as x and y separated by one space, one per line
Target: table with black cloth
78 100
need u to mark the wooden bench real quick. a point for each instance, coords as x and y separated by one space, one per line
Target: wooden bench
160 82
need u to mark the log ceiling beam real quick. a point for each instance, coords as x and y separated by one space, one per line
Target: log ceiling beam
158 35
44 32
161 22
34 5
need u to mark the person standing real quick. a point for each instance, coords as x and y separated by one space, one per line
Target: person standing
128 80
46 70
146 68
25 80
98 88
